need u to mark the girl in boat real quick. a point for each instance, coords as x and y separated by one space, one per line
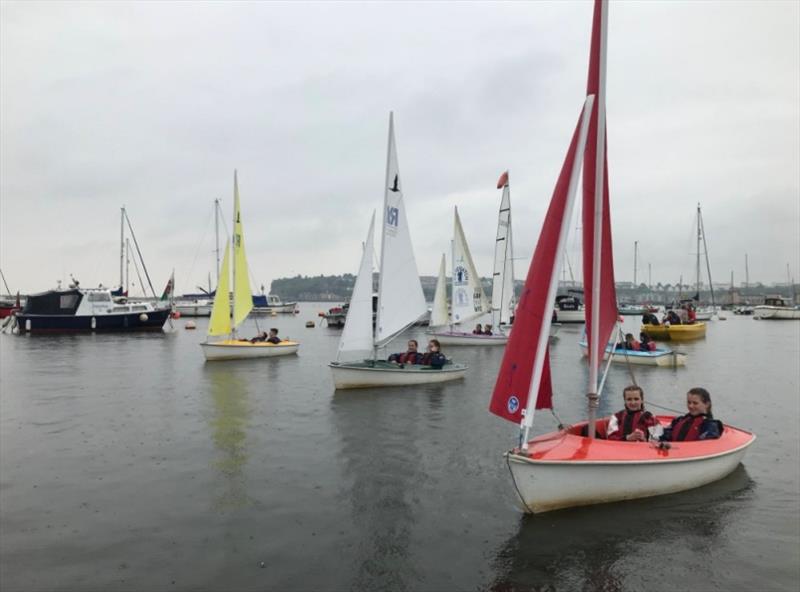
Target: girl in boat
698 424
633 424
412 356
434 357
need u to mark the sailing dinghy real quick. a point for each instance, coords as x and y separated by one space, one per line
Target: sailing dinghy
469 301
225 321
400 301
562 469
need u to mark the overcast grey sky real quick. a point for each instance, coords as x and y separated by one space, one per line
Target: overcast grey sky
153 105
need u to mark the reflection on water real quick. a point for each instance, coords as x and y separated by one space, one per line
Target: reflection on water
618 548
378 431
231 412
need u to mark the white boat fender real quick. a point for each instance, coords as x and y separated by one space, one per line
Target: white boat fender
143 317
94 323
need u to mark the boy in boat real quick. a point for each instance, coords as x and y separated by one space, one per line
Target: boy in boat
646 343
487 329
630 343
273 336
434 357
478 330
633 424
698 424
260 337
412 356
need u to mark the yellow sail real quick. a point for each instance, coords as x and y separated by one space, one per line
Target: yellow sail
220 322
242 296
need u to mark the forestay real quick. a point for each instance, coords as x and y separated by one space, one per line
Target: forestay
469 299
357 334
400 297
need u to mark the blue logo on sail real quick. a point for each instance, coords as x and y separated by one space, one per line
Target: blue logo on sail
392 216
513 404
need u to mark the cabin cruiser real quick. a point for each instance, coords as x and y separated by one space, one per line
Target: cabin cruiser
87 310
269 303
569 309
776 308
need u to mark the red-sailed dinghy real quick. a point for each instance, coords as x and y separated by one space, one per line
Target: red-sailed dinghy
564 468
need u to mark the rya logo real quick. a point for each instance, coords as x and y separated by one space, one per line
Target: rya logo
513 404
392 216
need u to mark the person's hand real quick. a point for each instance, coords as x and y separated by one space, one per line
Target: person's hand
636 436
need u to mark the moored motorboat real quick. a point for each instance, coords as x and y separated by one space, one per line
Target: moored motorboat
569 309
775 308
79 310
668 332
564 469
270 303
194 308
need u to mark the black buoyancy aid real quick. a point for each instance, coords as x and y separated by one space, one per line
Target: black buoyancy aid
687 427
629 421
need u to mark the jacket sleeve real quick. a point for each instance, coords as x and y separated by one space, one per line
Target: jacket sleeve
612 430
666 436
438 360
710 430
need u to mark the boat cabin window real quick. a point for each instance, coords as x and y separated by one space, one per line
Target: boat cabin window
99 297
138 308
68 301
774 302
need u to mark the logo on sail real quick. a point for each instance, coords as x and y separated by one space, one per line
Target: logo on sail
513 404
461 275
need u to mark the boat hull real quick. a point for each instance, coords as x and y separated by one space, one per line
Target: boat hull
776 313
570 316
353 375
193 310
564 470
675 332
459 338
244 350
663 358
108 323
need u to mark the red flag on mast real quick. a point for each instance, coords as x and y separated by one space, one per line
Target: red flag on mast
503 180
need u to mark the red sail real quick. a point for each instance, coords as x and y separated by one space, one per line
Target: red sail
608 296
510 394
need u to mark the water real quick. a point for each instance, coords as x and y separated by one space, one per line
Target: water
127 463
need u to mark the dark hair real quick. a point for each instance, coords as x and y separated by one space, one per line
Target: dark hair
274 329
435 342
414 341
633 387
704 395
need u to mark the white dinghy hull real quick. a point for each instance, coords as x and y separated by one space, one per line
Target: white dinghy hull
551 485
351 375
638 358
244 350
458 338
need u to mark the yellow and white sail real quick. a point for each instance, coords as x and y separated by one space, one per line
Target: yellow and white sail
220 322
242 296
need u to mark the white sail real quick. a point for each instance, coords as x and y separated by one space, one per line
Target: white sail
503 274
469 300
400 297
439 311
357 332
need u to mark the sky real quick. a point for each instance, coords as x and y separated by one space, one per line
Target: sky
152 105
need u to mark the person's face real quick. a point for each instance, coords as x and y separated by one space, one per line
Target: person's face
695 404
412 346
633 400
432 346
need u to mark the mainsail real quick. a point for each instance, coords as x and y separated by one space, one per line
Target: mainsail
503 274
357 334
242 295
468 299
400 297
598 259
439 311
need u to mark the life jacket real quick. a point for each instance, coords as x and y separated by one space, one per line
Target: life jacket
628 421
408 358
433 359
687 428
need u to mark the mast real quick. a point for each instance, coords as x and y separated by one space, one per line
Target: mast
216 239
635 254
698 252
233 305
708 265
383 236
594 338
649 278
127 264
121 241
746 276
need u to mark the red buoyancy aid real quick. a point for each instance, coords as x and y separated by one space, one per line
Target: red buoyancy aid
686 428
408 358
628 421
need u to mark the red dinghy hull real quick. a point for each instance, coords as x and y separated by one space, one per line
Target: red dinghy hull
564 469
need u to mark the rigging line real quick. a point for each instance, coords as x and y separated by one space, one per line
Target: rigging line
8 290
144 267
141 284
200 244
514 481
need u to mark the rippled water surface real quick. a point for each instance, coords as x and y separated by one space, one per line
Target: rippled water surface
128 463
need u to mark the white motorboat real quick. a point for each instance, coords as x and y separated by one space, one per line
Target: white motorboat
775 308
